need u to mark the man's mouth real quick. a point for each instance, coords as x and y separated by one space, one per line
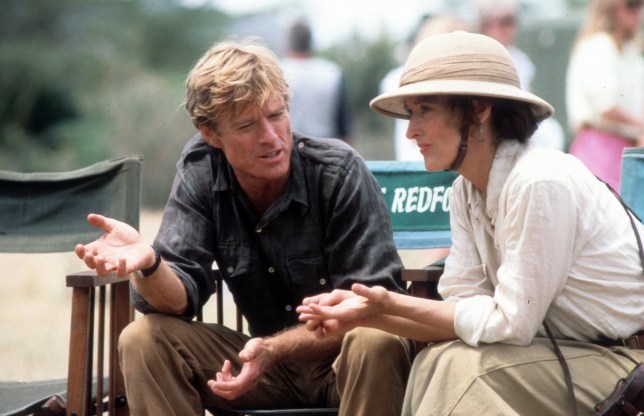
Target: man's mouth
271 155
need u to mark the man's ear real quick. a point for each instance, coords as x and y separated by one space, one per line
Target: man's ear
210 136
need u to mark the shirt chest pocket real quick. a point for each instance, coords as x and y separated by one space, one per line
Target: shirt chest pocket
309 271
237 260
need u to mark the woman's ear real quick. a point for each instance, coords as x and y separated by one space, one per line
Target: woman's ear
210 136
483 111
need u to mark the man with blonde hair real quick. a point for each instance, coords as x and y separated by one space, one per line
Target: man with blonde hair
284 217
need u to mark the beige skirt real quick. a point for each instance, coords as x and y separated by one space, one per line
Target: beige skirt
453 378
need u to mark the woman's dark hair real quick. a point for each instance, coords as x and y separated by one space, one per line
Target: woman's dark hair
511 120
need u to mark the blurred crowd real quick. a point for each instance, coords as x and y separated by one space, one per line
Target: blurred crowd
604 83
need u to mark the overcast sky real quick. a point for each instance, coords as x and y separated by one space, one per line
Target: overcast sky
337 19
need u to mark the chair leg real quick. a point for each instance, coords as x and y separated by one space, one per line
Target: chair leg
81 350
100 350
79 381
121 314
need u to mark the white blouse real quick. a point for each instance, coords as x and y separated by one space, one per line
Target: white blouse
549 241
601 77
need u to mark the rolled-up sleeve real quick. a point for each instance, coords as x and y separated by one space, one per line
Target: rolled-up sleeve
185 241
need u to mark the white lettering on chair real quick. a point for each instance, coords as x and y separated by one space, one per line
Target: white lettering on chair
420 199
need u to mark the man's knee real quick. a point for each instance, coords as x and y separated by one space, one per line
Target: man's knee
374 364
374 341
145 333
363 345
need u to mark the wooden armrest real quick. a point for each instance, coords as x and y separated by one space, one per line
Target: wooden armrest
424 282
426 274
89 278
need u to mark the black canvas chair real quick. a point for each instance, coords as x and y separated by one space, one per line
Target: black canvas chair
46 212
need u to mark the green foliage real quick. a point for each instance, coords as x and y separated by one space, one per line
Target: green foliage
365 64
86 80
34 100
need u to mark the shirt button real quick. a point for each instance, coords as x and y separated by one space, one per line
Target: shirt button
230 269
271 269
288 308
323 282
300 145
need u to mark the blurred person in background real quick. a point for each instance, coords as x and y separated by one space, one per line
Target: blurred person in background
406 149
605 87
499 19
284 216
319 103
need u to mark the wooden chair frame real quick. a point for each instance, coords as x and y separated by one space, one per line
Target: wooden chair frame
84 315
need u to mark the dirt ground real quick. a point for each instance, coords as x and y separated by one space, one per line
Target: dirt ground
35 308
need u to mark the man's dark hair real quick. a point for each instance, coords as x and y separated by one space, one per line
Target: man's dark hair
299 37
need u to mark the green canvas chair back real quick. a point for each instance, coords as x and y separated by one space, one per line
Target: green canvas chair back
632 183
46 211
418 202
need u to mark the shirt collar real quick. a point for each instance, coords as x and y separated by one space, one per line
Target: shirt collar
296 189
224 179
507 153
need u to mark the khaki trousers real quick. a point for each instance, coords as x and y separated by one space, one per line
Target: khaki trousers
166 363
453 378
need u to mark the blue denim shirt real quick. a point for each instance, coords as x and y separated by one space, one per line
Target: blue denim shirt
329 228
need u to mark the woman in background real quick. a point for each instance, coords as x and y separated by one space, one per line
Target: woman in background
605 87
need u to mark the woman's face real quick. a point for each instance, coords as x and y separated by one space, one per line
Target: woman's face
436 128
627 18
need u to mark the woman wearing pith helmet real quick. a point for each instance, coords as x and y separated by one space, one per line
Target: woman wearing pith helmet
536 238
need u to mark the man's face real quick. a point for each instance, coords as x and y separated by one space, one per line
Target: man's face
257 142
503 28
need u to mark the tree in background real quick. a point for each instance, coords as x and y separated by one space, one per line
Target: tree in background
84 81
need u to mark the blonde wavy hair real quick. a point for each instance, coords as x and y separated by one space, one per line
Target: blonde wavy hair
601 17
231 75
